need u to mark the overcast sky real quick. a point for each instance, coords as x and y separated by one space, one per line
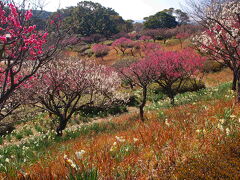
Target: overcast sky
128 9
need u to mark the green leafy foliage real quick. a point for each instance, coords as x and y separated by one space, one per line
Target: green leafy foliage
160 20
91 18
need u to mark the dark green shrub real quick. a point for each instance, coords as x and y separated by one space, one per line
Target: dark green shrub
154 95
133 101
82 48
124 62
190 86
1 140
92 111
87 52
212 66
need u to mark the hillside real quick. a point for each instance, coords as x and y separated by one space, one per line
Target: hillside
86 95
185 141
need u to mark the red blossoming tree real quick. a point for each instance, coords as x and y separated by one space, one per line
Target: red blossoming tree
23 50
165 68
100 50
140 74
174 69
123 44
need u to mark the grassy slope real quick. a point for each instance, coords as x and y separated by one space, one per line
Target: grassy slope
201 131
164 144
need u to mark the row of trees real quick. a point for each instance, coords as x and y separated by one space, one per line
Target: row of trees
138 44
91 19
153 34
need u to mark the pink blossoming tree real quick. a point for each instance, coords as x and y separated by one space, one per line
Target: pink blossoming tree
23 50
221 39
174 69
145 38
140 74
123 44
100 50
182 36
66 86
165 68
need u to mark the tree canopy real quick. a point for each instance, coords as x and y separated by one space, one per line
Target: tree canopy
160 20
181 17
93 18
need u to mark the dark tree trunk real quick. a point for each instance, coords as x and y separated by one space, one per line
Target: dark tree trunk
181 43
132 52
123 51
141 107
171 96
238 89
172 101
116 50
235 79
61 126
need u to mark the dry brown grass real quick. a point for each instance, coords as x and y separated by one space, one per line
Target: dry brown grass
164 145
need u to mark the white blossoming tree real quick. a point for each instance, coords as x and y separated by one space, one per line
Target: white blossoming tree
65 86
221 38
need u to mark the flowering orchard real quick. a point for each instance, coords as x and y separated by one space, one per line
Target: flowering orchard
23 50
221 39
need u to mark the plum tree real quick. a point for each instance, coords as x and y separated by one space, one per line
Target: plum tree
220 40
23 50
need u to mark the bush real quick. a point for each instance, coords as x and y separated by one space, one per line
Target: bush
189 85
82 48
124 62
108 42
100 50
133 101
212 66
154 93
92 111
87 52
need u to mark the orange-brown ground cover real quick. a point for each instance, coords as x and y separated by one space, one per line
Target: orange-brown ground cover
160 150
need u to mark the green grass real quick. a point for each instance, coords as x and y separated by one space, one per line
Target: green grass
37 148
221 92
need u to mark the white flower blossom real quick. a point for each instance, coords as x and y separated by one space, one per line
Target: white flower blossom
80 154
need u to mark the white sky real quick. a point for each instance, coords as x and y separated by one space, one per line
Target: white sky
128 9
